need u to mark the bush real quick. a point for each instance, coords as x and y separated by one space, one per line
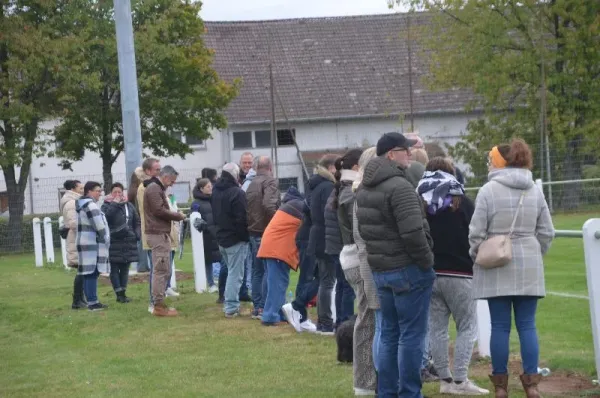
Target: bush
27 233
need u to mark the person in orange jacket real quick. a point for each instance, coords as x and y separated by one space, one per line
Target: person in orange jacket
278 249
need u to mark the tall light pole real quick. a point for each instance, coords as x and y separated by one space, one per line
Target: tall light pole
130 107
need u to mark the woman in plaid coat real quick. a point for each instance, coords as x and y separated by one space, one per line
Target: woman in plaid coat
519 284
93 240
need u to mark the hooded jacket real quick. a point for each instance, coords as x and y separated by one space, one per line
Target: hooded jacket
202 205
278 241
391 219
229 210
157 212
248 179
263 198
495 206
67 208
320 187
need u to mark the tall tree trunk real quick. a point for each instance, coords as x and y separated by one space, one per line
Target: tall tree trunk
107 173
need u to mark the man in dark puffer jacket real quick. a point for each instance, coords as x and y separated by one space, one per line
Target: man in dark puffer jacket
392 222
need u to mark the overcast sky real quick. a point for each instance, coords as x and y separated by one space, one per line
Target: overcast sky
243 10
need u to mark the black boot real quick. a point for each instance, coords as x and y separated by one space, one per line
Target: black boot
121 298
127 299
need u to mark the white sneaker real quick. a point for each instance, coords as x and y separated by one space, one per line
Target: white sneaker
362 391
467 387
308 326
292 316
171 293
151 308
213 289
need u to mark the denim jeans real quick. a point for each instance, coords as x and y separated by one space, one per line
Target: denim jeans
234 257
326 267
259 280
344 294
90 287
248 269
149 259
307 275
223 272
376 339
119 275
208 267
500 313
278 279
425 359
404 296
216 270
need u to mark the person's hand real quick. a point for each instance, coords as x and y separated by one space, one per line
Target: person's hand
118 199
181 215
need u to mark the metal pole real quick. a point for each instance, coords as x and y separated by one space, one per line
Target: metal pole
130 108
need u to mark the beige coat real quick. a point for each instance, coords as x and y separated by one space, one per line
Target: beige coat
140 204
67 208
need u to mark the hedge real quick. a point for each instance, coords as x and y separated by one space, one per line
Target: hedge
27 233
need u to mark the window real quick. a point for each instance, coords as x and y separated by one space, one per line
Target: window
181 191
194 141
262 138
242 139
177 135
286 183
285 137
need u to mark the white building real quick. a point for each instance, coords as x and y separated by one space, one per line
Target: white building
338 83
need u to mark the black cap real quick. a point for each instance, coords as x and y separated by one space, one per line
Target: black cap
389 141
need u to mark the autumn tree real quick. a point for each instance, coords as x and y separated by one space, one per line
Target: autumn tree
37 58
180 94
534 67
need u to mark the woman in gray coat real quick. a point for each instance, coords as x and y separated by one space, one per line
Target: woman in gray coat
519 284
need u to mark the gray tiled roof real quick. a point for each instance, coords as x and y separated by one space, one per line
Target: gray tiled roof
325 68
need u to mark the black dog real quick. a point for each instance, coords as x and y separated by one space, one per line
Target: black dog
344 335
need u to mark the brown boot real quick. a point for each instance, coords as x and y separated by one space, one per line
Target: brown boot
163 310
530 385
500 383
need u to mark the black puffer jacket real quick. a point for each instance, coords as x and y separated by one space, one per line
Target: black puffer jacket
391 219
124 232
229 210
320 185
333 236
202 205
345 208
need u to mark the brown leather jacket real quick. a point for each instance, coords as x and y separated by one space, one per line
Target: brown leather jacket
157 213
263 198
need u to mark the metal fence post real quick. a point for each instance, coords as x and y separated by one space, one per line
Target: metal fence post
591 246
198 256
63 243
37 242
48 241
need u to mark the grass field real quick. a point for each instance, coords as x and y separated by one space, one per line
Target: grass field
47 349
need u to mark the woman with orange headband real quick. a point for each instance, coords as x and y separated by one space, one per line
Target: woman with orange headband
510 204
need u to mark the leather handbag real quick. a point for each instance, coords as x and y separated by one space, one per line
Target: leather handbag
497 251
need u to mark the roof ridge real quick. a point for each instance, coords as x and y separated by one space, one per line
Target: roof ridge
316 19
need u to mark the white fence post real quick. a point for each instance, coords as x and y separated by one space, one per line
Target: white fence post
591 246
484 328
63 243
173 277
198 255
48 240
37 242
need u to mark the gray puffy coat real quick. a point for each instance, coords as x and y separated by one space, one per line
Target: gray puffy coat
391 219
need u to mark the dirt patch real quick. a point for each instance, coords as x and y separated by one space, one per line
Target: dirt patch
143 278
559 383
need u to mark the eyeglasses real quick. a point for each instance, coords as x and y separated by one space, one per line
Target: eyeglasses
400 149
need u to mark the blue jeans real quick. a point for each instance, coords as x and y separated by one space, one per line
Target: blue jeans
234 257
307 267
90 287
149 259
376 339
259 280
404 295
500 313
344 294
278 279
223 272
216 269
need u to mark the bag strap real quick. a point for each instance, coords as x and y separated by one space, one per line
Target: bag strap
514 221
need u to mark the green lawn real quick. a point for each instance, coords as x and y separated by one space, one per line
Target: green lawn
46 349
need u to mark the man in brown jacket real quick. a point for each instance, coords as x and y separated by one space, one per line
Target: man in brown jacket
158 218
263 198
